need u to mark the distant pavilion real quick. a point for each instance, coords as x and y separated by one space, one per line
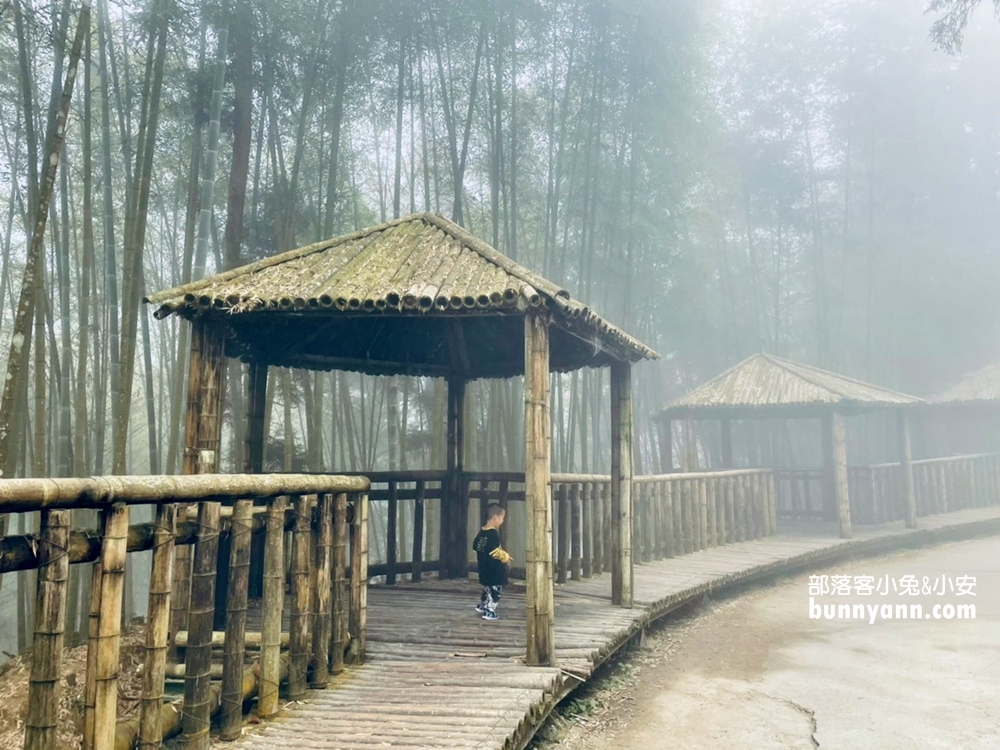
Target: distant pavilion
767 387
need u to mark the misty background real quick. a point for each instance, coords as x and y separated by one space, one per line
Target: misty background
811 178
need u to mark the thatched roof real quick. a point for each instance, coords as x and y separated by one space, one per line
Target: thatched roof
765 385
418 295
979 387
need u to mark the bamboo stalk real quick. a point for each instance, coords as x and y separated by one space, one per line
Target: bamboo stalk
42 718
621 480
359 580
236 620
607 528
157 628
322 615
272 606
539 596
198 654
339 593
298 624
109 626
93 623
576 532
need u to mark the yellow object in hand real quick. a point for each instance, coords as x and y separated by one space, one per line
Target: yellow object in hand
500 554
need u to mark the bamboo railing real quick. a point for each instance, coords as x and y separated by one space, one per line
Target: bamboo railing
878 495
941 485
327 514
710 508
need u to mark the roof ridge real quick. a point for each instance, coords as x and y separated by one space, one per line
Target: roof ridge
797 367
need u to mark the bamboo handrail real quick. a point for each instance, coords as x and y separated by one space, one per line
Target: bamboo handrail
24 495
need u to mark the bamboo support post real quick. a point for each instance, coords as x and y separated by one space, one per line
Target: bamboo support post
539 598
839 461
322 587
339 592
157 628
298 623
108 641
41 722
359 581
240 525
621 481
272 606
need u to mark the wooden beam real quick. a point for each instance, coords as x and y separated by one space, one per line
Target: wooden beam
906 465
537 491
621 483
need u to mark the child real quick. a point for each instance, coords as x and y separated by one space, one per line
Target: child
493 562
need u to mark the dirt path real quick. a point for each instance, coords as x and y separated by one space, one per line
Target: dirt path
753 671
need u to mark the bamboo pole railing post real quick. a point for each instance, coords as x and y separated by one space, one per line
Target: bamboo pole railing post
607 528
720 510
562 538
298 624
322 614
649 521
416 572
668 517
576 532
392 516
677 507
712 538
687 488
944 504
113 552
359 581
41 722
157 628
339 592
739 504
702 515
241 526
272 607
587 528
198 654
622 584
906 467
732 512
93 625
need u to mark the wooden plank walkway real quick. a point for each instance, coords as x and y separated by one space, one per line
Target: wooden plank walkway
440 676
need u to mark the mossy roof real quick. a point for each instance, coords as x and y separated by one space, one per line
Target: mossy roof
766 385
419 295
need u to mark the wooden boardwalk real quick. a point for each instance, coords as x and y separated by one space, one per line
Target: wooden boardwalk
440 676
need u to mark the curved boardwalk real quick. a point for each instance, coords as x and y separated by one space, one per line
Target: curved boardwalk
440 676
